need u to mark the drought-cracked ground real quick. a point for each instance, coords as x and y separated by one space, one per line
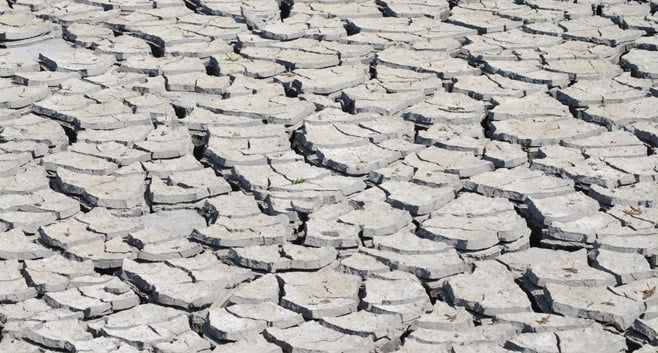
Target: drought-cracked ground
328 176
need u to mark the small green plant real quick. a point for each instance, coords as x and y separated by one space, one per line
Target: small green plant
230 57
289 72
298 181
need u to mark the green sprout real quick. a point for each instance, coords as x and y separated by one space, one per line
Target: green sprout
230 57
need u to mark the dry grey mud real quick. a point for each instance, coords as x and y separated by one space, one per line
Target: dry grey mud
328 176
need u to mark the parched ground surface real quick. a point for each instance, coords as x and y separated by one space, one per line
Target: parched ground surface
328 176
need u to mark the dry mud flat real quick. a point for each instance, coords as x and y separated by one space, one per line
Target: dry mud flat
326 176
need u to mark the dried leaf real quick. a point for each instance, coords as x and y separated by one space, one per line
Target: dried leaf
543 320
648 292
450 318
571 269
634 211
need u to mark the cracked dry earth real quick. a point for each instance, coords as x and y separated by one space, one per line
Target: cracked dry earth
328 176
